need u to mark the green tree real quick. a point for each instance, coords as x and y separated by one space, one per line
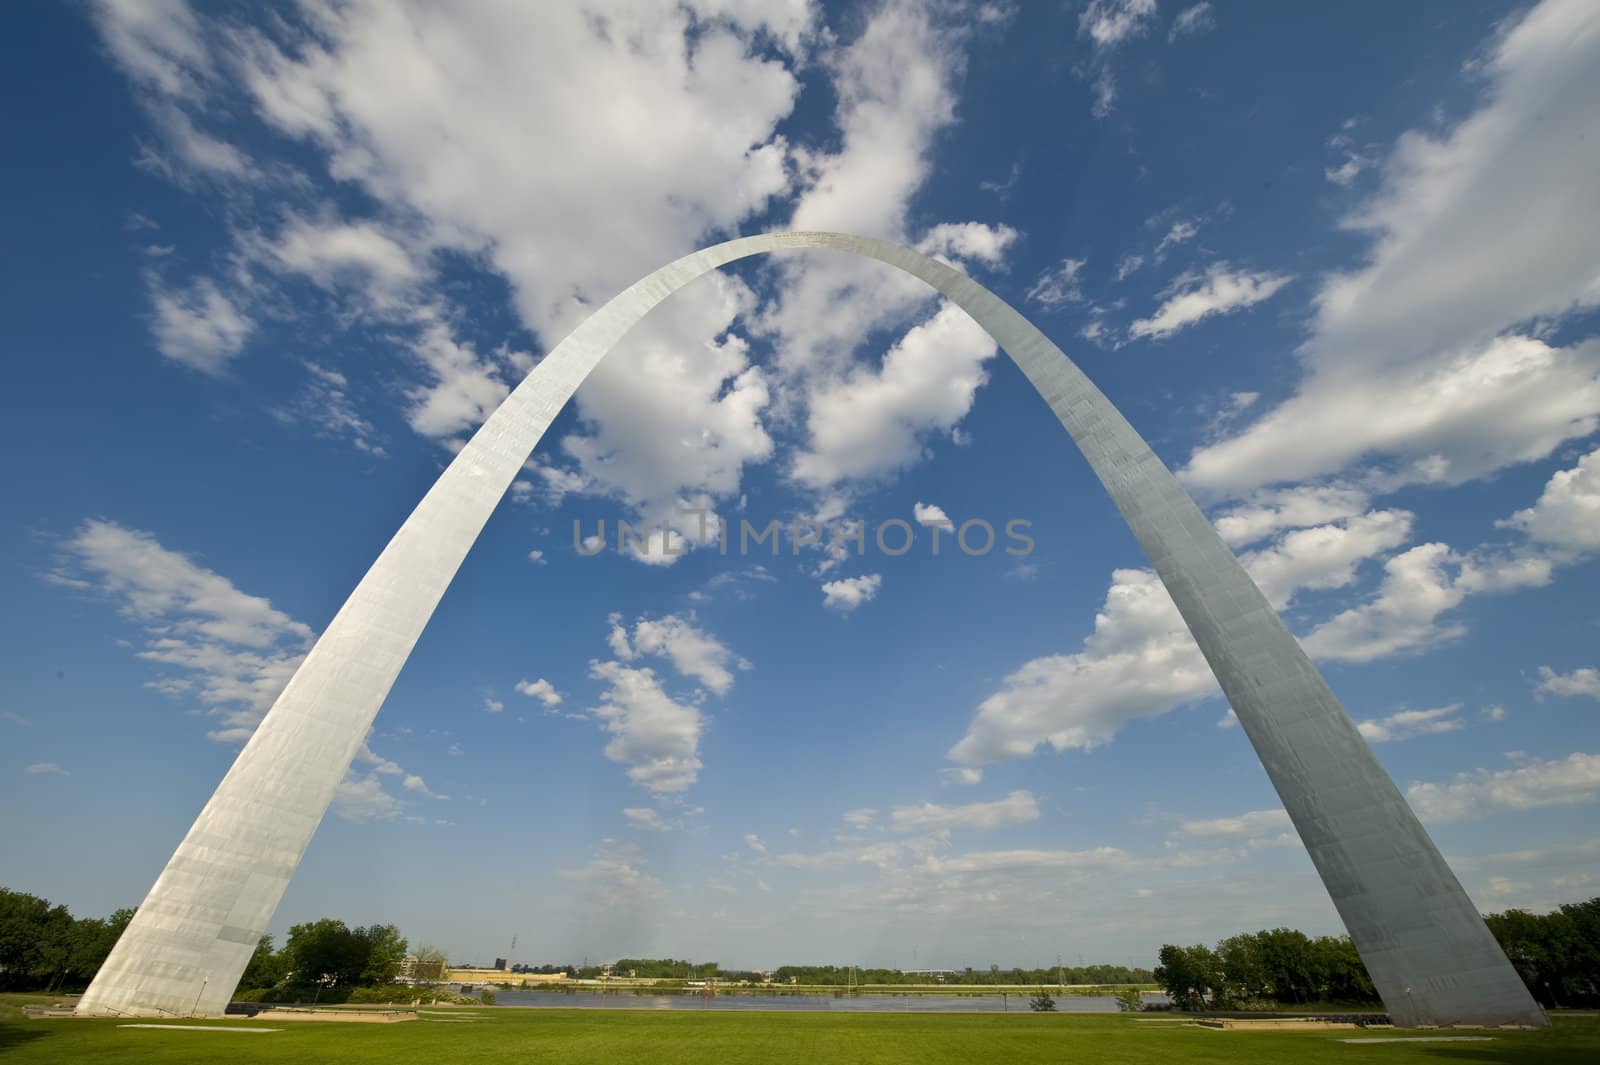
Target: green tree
1287 962
1042 1002
266 968
383 949
1188 975
1341 974
325 953
1244 971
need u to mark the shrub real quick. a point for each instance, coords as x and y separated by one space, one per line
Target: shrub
1042 1002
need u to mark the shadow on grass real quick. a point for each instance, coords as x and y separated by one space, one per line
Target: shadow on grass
15 1035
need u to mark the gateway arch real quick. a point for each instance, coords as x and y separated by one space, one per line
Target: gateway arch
1430 955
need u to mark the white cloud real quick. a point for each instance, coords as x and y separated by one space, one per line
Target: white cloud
1192 21
1419 586
1181 232
655 736
1405 724
1567 514
695 94
1110 22
1017 808
961 775
974 241
235 651
1253 823
325 407
861 818
931 514
199 326
1354 162
1579 682
1016 860
364 799
1221 291
692 651
1559 781
753 841
39 769
542 690
491 705
462 387
1425 356
871 422
1268 512
614 886
1140 660
335 254
1059 285
645 818
848 593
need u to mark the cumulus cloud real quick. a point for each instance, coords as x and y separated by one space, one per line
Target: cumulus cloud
654 735
862 818
687 148
848 593
872 422
973 241
1017 808
645 818
199 326
1405 724
1220 291
1584 682
1140 660
931 514
541 690
1426 357
1556 782
1567 514
692 651
1268 512
1419 587
363 798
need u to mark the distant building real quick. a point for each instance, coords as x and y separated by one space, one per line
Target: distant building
413 970
500 963
461 975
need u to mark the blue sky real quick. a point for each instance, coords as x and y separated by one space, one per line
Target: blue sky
1338 265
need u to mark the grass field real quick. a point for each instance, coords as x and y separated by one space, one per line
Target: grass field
497 1036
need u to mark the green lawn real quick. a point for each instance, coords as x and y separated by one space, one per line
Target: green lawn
578 1037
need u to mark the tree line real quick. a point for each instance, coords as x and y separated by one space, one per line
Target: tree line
830 975
1557 954
45 947
42 946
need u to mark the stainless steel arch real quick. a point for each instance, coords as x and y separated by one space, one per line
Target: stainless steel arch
1428 950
